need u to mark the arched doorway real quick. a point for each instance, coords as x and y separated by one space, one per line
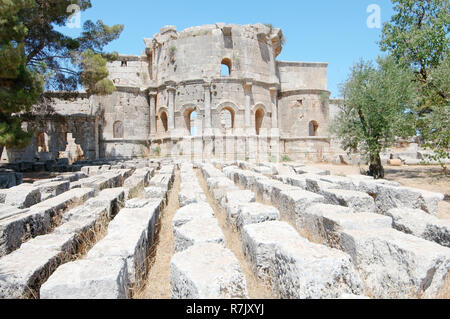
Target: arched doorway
313 128
259 117
190 118
227 118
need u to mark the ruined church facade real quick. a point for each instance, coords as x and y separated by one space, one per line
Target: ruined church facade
214 91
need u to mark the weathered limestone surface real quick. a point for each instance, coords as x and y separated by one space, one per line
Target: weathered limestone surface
103 278
39 219
251 213
421 224
22 196
396 265
295 267
190 212
206 271
359 201
196 231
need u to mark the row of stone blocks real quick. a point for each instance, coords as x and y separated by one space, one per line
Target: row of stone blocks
63 231
202 267
329 210
290 264
117 264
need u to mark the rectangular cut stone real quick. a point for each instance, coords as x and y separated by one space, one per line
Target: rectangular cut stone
196 231
359 201
421 224
396 265
207 271
102 278
295 267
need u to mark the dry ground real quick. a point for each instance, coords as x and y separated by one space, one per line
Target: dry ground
428 178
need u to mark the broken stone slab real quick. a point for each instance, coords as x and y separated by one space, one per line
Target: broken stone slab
23 271
144 173
311 170
7 179
137 203
397 265
240 196
359 201
189 195
134 186
388 195
112 198
22 196
219 182
253 213
190 212
130 236
249 179
91 170
294 180
418 223
53 189
295 267
293 203
220 193
198 230
162 180
102 278
210 171
265 188
155 192
323 223
343 182
207 271
167 169
40 219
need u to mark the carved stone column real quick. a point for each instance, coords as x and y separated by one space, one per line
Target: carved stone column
274 99
248 90
152 97
207 89
171 116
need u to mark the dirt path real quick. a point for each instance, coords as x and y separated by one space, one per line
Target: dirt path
256 288
158 279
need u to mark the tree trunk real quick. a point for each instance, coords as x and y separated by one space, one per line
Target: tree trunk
375 168
1 151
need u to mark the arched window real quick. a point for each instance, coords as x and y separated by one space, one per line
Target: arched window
226 67
118 129
190 117
164 121
42 142
313 128
227 118
259 117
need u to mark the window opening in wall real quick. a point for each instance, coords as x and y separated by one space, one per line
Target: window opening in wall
313 128
227 118
164 121
124 64
42 142
226 68
259 117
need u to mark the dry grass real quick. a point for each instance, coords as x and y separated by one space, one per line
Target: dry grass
157 283
257 289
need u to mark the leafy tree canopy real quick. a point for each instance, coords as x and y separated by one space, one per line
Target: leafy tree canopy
35 56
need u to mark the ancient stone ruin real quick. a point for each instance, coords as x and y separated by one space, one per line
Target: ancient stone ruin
302 232
176 178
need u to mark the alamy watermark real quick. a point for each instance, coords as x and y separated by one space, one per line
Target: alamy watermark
74 20
374 19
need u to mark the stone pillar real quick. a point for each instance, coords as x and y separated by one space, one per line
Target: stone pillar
152 97
207 89
171 116
248 119
274 99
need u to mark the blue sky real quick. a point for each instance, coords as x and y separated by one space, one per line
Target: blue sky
333 31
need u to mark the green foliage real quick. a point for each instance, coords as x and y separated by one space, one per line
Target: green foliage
35 56
417 37
376 108
157 151
286 158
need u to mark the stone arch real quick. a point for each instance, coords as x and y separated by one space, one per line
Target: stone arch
42 142
190 115
313 128
226 112
226 67
164 121
118 129
259 117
